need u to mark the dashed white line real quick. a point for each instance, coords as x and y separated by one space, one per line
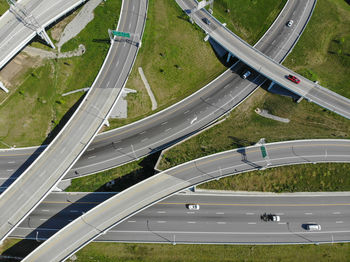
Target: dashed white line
164 123
191 222
90 149
221 223
91 157
11 162
161 222
279 214
282 223
9 170
161 212
120 148
190 212
186 112
45 210
339 222
142 132
168 130
220 213
143 140
43 219
131 221
308 213
250 214
336 213
251 223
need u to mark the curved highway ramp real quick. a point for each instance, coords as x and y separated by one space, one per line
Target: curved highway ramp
55 161
116 209
264 64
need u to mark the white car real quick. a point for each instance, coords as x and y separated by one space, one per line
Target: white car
313 227
290 23
276 218
193 206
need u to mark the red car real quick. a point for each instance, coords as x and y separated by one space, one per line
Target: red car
294 79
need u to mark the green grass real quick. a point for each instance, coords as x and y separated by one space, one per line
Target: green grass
104 252
108 252
299 178
31 113
323 51
3 6
248 19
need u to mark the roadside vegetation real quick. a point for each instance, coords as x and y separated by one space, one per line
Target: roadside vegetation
35 111
108 252
315 56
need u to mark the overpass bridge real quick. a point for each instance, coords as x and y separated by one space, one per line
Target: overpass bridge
27 18
263 64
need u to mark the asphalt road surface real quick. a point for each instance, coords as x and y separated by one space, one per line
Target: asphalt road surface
16 30
45 172
125 144
120 207
265 65
222 218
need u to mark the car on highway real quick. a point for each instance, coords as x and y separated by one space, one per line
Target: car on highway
246 74
313 227
206 21
270 217
193 206
294 79
290 23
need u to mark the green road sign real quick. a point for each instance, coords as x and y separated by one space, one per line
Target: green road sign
263 151
122 34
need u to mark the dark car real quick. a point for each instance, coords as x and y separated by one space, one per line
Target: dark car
294 79
206 20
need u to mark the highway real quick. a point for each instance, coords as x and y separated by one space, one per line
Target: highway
15 34
222 218
18 200
120 207
136 140
265 65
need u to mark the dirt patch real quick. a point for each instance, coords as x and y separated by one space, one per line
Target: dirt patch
57 30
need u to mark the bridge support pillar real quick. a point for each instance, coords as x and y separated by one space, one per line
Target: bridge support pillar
300 99
228 57
106 123
271 86
206 38
42 33
2 86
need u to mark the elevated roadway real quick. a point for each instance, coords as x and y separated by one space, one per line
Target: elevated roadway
18 200
222 218
17 30
120 207
125 144
264 64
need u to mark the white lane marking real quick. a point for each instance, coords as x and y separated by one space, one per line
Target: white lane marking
161 222
250 214
190 212
11 162
9 170
74 211
336 213
91 157
220 213
108 83
43 219
186 112
339 222
45 210
131 221
279 214
162 124
143 140
142 132
311 222
70 220
194 120
117 63
167 130
282 223
251 223
161 212
308 213
133 8
191 222
120 148
221 223
90 149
